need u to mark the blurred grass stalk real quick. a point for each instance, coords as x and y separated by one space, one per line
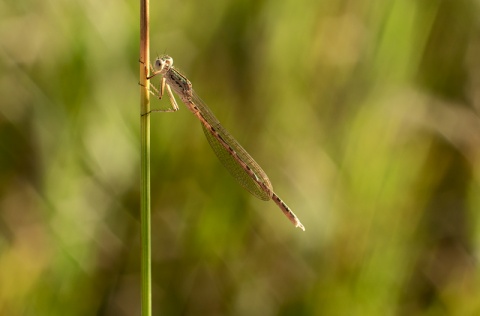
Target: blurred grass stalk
145 160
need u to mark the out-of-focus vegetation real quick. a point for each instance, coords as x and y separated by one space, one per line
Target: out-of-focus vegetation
364 114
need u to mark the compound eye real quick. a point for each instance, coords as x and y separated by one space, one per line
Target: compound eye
158 64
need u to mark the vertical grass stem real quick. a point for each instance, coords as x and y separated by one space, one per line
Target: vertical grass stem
145 207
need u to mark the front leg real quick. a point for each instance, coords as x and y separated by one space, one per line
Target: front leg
159 94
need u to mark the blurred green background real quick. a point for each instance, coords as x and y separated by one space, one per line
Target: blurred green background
363 113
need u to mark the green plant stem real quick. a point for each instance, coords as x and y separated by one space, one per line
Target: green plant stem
145 207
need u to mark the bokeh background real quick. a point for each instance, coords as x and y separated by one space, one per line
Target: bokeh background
363 113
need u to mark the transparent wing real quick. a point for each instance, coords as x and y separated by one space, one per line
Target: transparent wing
256 180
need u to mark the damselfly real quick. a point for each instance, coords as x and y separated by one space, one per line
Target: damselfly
232 155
